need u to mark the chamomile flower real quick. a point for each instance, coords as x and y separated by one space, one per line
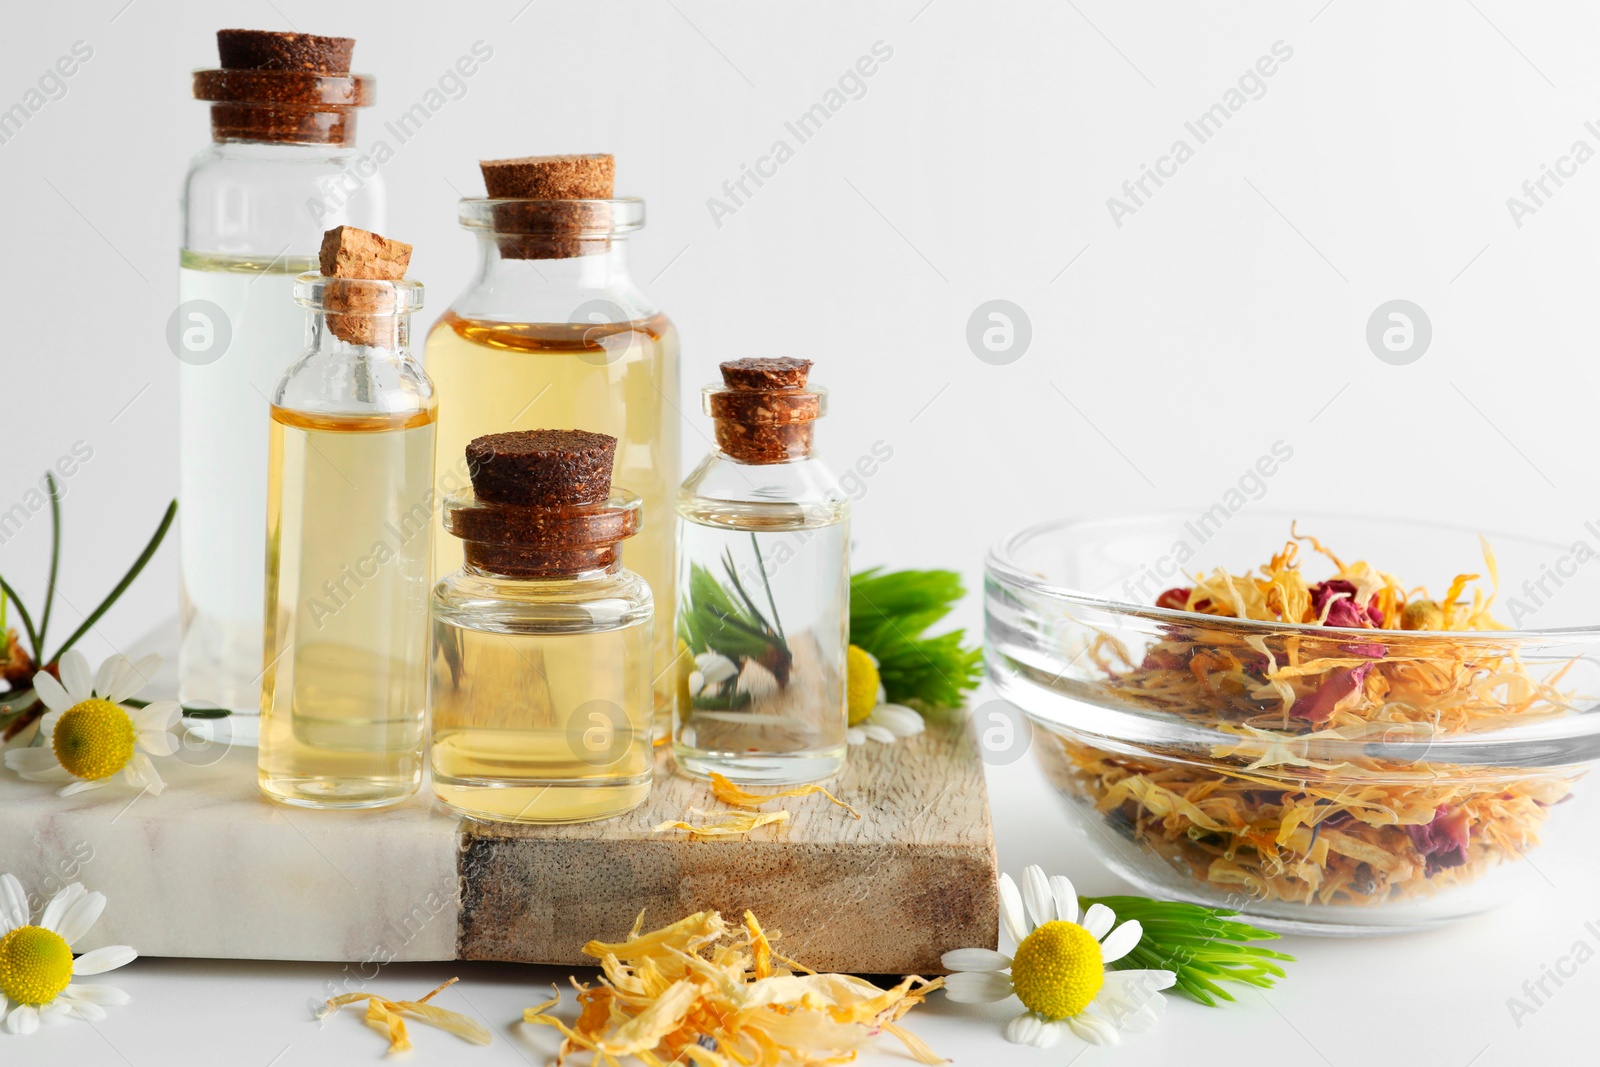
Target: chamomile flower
90 737
871 717
1058 968
38 974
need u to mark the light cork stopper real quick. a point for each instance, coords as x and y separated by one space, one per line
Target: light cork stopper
555 208
358 301
585 177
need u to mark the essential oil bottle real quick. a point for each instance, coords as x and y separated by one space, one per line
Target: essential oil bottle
763 587
555 331
540 695
280 169
349 520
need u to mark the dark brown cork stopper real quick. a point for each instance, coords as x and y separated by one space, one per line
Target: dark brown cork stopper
359 299
290 88
764 413
542 504
268 50
556 218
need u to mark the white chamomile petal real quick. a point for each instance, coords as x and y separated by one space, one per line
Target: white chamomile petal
14 909
47 725
60 904
1036 895
1121 941
1066 898
1093 1029
899 718
56 1009
95 993
75 676
22 1019
82 1009
160 715
82 915
881 734
80 785
158 742
135 678
1099 920
47 689
109 674
1140 980
37 765
149 777
102 960
855 736
977 987
1029 1029
1012 917
974 959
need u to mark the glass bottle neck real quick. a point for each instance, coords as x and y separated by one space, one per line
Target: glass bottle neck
592 574
378 337
602 264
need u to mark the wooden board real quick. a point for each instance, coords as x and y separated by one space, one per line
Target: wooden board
886 893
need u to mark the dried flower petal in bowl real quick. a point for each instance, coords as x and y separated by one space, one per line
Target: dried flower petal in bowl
1334 752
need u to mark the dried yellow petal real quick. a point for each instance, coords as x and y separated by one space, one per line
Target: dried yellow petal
388 1016
740 822
729 793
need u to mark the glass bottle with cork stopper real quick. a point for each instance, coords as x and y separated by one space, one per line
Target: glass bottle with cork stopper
554 331
763 587
349 521
540 698
281 168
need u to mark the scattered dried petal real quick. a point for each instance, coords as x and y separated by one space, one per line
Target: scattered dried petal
729 793
739 822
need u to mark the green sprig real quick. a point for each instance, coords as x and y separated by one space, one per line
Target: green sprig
889 612
1202 946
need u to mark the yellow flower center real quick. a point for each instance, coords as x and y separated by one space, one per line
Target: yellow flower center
863 684
94 739
35 965
1057 970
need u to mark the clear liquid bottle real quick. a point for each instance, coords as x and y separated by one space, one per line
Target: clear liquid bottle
540 697
281 168
763 587
554 332
349 519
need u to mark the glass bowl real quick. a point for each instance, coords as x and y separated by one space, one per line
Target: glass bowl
1202 753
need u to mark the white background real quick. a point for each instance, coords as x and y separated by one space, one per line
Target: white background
1167 354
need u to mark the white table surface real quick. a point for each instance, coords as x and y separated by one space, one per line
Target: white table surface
1436 999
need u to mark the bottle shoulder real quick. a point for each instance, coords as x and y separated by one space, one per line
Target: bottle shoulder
596 601
349 380
806 481
242 199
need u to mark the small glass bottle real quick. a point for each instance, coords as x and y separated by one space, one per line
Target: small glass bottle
540 697
349 520
763 587
281 168
554 331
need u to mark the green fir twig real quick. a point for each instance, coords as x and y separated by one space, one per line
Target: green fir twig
1202 946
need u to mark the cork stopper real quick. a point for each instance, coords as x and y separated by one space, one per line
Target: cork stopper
541 504
292 88
542 468
359 299
764 409
269 50
557 217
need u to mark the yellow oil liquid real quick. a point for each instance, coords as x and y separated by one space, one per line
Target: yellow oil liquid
619 379
349 522
541 728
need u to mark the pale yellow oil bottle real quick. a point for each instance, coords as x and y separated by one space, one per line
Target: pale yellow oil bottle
344 688
541 728
614 378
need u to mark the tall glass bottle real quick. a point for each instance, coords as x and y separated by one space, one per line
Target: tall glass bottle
281 168
554 332
349 520
763 587
540 700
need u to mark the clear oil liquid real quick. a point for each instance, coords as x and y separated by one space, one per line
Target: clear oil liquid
344 690
541 727
222 471
781 717
619 379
